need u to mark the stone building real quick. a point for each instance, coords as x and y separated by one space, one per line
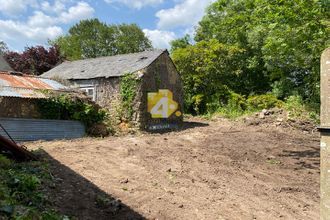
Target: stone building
158 100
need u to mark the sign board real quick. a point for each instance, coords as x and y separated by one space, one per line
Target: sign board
325 135
162 107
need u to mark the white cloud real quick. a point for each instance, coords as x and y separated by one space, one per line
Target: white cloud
160 39
57 7
137 4
184 14
13 7
45 23
39 19
11 29
75 13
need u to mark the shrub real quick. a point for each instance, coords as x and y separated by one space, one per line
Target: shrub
66 107
259 102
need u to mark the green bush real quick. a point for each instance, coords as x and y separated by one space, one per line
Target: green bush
259 102
65 107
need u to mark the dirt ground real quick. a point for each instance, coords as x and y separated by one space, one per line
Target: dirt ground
210 170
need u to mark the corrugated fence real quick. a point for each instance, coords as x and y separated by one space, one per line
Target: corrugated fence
35 129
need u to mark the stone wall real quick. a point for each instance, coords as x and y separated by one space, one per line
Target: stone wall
161 74
14 107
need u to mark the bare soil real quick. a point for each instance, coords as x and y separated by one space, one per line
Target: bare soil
209 170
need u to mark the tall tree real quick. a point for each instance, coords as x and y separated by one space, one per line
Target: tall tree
92 38
210 70
283 39
34 60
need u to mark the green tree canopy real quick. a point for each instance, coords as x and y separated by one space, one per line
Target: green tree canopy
283 40
92 38
210 70
180 43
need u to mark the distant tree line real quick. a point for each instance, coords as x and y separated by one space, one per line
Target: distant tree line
86 39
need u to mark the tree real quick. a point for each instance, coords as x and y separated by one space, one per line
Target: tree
92 38
210 71
34 60
180 43
283 40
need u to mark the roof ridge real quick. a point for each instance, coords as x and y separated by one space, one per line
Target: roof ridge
117 55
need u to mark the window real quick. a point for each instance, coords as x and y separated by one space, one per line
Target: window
90 92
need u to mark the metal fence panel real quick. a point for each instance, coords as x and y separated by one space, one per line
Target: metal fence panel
37 129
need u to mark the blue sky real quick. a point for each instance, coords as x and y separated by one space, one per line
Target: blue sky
32 22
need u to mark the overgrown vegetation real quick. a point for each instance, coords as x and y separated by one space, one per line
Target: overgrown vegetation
238 105
248 48
128 89
67 107
21 191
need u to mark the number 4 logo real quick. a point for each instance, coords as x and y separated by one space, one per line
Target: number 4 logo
162 105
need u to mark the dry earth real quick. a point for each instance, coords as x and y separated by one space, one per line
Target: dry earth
210 170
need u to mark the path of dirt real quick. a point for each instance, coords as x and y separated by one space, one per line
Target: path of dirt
224 170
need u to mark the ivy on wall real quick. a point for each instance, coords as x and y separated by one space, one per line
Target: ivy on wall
128 88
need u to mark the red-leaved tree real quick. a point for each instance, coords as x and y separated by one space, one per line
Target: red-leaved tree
34 60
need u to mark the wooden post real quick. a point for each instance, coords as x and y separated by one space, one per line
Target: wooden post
325 135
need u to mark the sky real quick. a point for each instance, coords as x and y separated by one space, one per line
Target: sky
33 22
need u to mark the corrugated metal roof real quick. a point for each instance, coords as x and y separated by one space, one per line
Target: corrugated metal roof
112 66
26 86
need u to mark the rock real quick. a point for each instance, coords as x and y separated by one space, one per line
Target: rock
279 119
124 181
262 115
181 206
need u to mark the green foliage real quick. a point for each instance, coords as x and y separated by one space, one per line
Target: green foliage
180 43
4 162
209 71
21 194
238 105
92 38
65 107
283 41
297 109
128 88
259 102
253 47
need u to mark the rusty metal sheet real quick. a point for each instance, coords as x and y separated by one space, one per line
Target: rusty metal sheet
26 86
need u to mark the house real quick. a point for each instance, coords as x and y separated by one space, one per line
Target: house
19 110
158 100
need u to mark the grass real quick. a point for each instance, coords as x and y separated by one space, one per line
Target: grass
21 191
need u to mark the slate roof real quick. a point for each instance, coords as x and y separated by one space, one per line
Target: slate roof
25 86
4 66
112 66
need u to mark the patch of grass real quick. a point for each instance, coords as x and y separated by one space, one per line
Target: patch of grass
21 191
298 110
273 161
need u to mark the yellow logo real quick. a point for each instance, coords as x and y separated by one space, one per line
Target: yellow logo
162 105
